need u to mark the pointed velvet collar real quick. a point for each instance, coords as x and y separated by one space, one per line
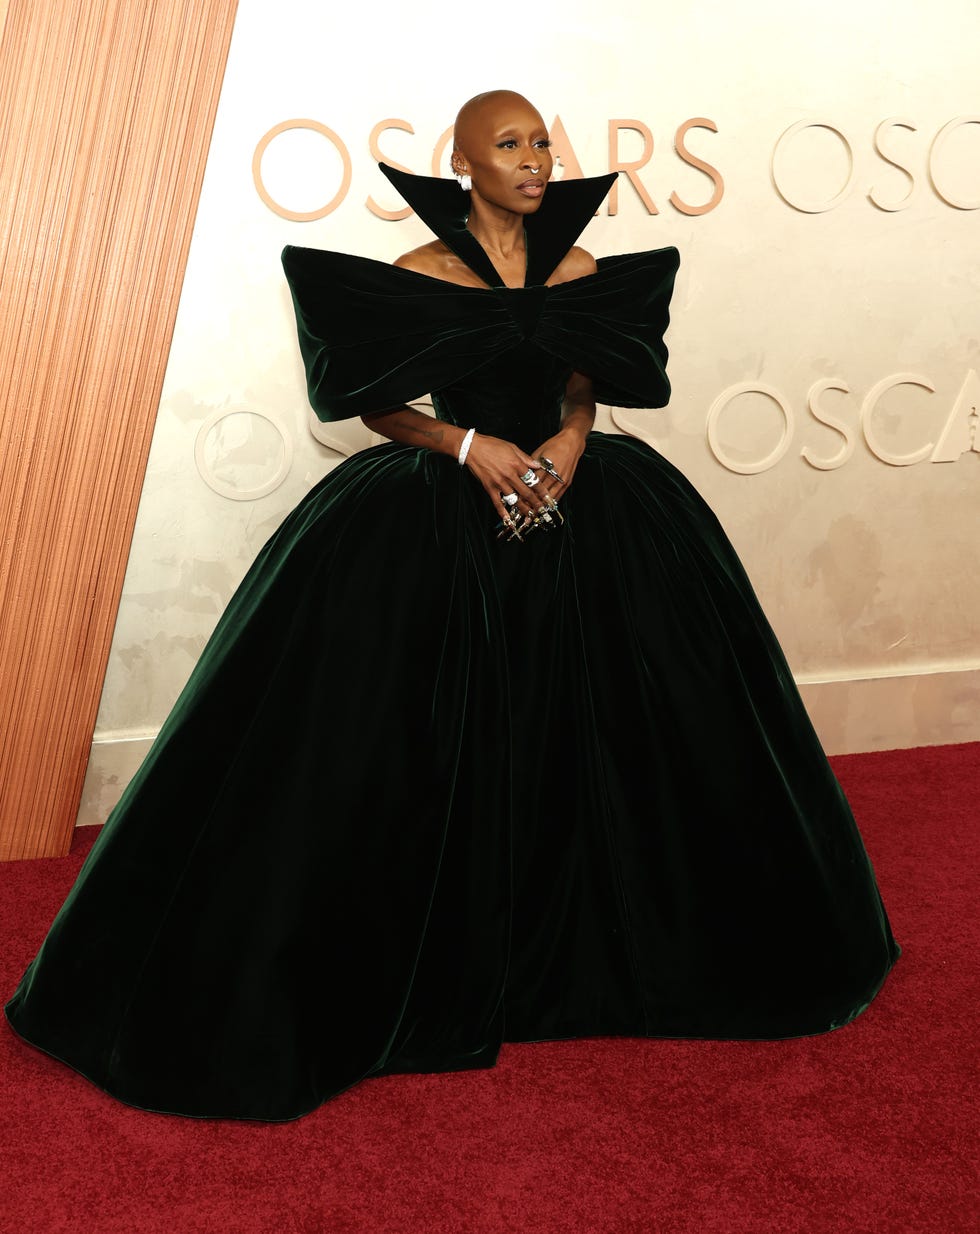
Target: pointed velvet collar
566 208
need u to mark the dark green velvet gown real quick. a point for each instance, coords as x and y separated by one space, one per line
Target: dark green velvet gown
427 791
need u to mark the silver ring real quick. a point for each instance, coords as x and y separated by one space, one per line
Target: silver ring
530 479
509 499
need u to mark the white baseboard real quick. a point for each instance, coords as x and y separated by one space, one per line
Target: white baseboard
895 711
112 763
851 716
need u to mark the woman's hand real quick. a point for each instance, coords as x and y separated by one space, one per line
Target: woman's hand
533 483
499 465
504 469
565 448
563 452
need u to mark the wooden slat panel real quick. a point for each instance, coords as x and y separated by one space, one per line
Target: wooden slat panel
106 111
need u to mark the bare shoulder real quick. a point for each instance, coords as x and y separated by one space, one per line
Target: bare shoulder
576 264
434 258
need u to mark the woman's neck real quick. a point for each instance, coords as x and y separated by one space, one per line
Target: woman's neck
500 232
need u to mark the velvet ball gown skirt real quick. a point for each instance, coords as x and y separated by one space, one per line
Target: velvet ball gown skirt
427 791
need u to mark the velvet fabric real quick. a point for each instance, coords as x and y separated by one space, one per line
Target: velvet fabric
427 791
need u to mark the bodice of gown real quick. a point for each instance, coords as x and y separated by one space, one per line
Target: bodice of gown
516 395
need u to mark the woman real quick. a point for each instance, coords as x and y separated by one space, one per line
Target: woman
557 781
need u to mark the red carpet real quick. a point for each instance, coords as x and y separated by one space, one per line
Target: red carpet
871 1128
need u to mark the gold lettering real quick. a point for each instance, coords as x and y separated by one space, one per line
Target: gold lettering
698 122
631 168
297 216
375 148
564 153
439 151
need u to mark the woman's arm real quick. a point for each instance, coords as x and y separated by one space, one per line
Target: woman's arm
415 428
496 463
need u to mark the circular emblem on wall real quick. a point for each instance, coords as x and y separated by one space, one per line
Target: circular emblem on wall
289 126
745 468
242 454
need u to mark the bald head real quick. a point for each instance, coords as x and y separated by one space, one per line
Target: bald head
502 145
482 112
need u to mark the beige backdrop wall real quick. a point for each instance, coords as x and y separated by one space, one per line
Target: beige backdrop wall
825 338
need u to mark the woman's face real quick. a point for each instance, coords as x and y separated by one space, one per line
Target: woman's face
505 149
